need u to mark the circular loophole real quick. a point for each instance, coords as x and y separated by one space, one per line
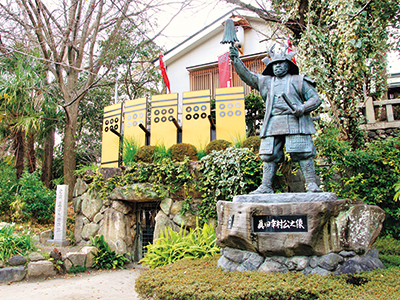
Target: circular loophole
116 120
156 119
171 110
140 121
111 121
111 127
238 112
170 118
203 115
230 105
188 117
237 104
164 111
156 112
128 124
163 119
106 122
222 106
135 116
189 109
196 108
134 123
195 116
203 107
106 129
230 113
141 115
222 114
128 117
116 126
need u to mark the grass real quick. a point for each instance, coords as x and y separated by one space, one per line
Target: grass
12 243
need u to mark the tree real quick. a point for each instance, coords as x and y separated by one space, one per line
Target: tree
75 38
342 45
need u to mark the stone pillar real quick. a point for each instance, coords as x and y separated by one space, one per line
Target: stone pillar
60 219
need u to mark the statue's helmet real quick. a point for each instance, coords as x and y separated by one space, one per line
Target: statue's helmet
279 57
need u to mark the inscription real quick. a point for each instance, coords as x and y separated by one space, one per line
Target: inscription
231 218
285 223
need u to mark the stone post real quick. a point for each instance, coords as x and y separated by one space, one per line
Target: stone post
60 219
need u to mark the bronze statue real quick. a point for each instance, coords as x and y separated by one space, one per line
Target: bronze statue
289 99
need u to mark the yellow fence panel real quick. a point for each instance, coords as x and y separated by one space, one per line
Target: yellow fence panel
110 150
135 113
195 123
230 114
164 108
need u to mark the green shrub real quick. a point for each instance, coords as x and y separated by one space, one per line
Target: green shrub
201 279
252 143
37 201
255 111
12 243
145 154
172 246
105 258
131 147
235 171
8 187
160 153
76 269
390 260
387 245
179 151
217 145
368 173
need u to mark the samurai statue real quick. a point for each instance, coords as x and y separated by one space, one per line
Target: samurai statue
289 100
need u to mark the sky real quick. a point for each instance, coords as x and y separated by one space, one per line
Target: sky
205 12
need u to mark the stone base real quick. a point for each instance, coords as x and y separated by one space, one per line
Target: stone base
60 243
344 262
285 198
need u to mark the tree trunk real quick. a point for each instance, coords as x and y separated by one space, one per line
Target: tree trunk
47 167
31 153
19 148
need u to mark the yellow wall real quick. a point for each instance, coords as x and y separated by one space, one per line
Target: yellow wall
110 141
135 113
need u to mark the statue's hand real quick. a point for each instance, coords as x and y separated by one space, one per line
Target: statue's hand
298 110
233 52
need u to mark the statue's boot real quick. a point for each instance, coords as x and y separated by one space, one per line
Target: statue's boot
308 169
269 170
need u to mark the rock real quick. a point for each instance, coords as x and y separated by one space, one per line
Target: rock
77 203
110 172
76 258
361 264
89 230
297 263
330 261
313 263
45 235
373 252
320 271
97 218
227 264
80 187
121 207
12 274
279 259
85 221
91 204
271 266
17 260
43 268
137 192
333 226
2 264
186 220
89 252
34 256
371 134
67 265
56 255
166 205
78 228
252 263
347 253
236 255
176 207
115 227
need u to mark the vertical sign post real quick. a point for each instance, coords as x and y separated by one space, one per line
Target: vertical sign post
60 220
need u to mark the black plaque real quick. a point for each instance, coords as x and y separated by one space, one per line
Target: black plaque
286 223
231 218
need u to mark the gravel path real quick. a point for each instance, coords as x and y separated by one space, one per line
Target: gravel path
117 284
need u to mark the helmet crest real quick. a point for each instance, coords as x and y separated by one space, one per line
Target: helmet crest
278 57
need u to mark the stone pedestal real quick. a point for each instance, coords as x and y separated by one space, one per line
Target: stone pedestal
297 225
60 220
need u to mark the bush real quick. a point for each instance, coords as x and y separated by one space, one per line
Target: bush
368 173
201 279
14 244
387 245
217 145
252 143
105 258
255 111
172 246
131 147
179 151
37 201
227 173
145 154
8 188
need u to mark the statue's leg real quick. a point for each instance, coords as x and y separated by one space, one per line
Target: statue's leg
269 170
308 169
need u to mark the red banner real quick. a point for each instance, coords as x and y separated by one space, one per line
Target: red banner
290 50
164 72
224 70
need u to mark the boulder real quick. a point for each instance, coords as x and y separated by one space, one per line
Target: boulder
45 235
116 230
34 256
17 260
97 218
137 192
227 264
76 258
163 221
91 204
43 268
80 187
12 274
186 220
77 204
89 230
78 228
176 207
166 205
330 261
361 264
271 266
89 251
121 207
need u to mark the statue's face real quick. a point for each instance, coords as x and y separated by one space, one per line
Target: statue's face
280 68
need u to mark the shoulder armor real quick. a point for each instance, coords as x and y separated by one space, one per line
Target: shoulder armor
310 81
